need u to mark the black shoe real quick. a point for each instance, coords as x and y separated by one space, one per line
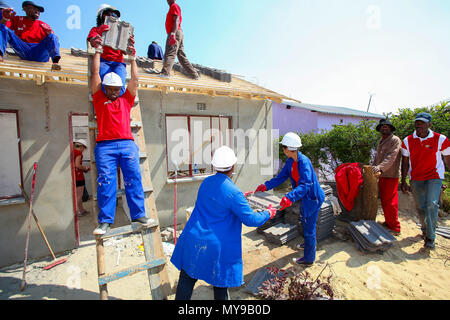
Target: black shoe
145 222
302 262
102 229
429 243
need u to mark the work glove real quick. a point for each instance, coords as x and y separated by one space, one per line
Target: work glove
102 29
285 203
172 39
46 29
95 41
8 13
272 211
248 193
261 188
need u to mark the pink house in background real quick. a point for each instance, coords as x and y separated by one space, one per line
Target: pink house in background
304 118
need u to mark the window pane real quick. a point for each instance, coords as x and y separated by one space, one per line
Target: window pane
178 144
201 145
9 161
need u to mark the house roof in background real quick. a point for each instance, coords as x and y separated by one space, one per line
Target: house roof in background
74 71
333 110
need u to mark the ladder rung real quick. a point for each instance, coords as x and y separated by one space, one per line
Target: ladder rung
121 192
130 271
128 229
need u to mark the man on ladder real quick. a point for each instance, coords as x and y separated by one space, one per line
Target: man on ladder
115 145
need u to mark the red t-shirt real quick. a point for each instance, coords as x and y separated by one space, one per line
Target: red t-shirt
425 155
108 53
294 172
79 174
113 117
28 30
174 10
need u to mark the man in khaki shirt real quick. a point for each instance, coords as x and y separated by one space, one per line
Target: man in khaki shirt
387 162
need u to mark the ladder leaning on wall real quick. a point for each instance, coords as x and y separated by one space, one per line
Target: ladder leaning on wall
155 262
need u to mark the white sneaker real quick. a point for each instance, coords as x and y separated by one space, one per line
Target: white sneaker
102 229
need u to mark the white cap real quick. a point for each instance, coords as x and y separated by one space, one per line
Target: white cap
292 141
104 7
224 159
113 80
82 142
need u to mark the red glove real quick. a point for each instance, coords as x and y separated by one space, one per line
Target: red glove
95 41
103 28
285 203
132 51
172 39
261 188
248 193
8 13
272 211
46 29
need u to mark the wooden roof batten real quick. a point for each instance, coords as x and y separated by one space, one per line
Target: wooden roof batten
74 72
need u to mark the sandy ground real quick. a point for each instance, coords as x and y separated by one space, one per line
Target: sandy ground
406 271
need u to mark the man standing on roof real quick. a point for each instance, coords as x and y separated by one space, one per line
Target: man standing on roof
175 43
155 52
210 246
387 163
305 187
111 60
115 145
31 38
422 159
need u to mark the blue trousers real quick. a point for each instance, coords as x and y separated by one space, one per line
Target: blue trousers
116 67
309 224
40 52
186 286
108 156
426 193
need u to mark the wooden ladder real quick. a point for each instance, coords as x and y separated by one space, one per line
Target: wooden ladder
155 262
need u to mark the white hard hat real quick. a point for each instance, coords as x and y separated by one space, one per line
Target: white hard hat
113 80
292 141
82 142
224 159
104 7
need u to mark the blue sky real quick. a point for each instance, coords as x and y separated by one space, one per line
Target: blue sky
331 52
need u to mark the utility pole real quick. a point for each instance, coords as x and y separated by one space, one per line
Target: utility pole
370 100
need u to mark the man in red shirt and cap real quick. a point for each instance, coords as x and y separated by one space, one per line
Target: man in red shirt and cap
175 43
31 38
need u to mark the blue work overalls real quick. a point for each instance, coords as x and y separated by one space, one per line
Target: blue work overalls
40 52
210 247
309 191
119 68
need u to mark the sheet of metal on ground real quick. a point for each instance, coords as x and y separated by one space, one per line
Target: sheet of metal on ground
258 279
117 37
443 231
369 236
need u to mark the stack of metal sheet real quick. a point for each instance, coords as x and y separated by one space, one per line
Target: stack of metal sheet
443 231
327 190
281 233
369 236
260 201
325 222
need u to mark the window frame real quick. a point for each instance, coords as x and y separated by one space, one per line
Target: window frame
188 119
19 150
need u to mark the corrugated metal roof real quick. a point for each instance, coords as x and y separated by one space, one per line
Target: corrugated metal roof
333 110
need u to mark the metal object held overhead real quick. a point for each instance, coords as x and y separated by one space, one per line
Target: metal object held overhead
118 36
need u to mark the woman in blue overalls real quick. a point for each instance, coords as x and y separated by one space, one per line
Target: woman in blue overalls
305 187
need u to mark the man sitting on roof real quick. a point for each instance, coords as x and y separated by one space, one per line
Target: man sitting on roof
110 60
31 38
